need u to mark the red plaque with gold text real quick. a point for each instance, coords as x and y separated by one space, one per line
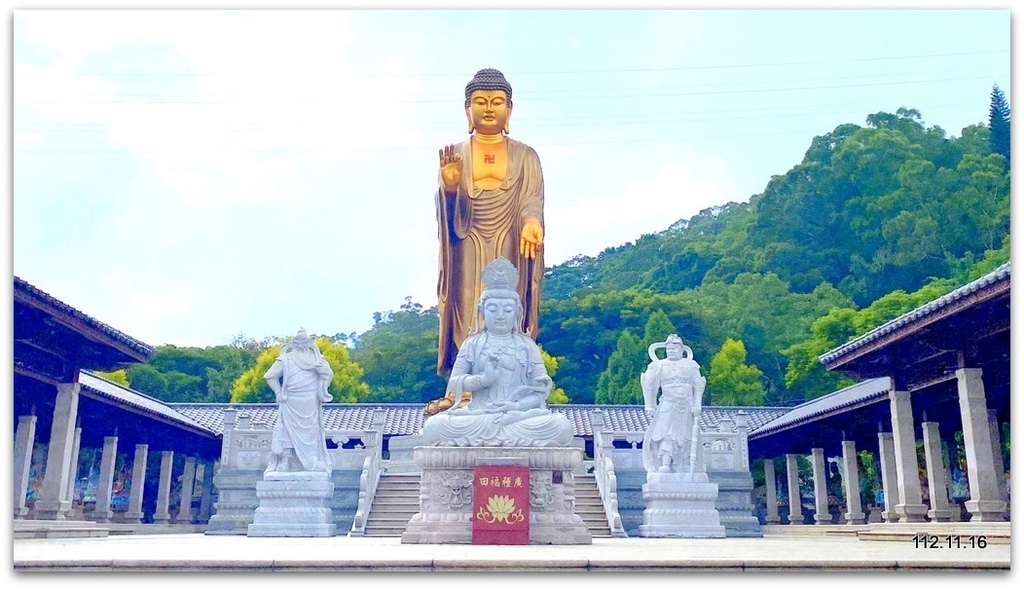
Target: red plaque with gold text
501 504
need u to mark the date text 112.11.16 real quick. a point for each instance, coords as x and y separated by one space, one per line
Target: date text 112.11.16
933 541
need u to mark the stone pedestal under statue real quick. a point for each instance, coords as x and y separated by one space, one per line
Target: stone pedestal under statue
680 505
446 493
294 504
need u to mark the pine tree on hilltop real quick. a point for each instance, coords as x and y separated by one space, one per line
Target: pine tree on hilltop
999 123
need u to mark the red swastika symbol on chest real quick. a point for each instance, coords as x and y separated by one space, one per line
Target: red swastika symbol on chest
488 159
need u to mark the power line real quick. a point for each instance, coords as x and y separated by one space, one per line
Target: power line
462 75
779 112
535 98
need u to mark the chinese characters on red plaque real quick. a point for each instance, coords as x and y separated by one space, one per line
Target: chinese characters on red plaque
501 504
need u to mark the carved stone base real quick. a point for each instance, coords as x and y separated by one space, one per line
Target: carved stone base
680 506
446 494
293 504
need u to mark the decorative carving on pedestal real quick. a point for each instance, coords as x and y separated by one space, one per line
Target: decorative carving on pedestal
293 504
445 513
680 505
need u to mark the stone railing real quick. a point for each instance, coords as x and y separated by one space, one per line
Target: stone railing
604 473
370 475
245 453
728 464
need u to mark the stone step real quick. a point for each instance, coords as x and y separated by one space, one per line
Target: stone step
59 529
394 504
395 500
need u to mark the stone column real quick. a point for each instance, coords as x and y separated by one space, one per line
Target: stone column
887 456
821 514
997 453
134 513
69 491
796 514
105 486
938 492
985 503
206 503
51 503
909 508
24 440
771 501
163 495
947 465
188 482
851 483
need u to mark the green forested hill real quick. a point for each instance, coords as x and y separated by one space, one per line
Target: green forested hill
888 207
874 221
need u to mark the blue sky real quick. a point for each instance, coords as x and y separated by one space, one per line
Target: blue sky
186 176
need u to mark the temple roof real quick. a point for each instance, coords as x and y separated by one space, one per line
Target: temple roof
124 398
402 419
848 399
987 287
52 340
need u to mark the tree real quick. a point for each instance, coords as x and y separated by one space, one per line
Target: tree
118 376
731 381
658 328
398 355
557 396
346 385
999 123
806 378
619 384
191 375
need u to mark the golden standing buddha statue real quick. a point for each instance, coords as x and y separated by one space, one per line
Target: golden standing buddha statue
490 204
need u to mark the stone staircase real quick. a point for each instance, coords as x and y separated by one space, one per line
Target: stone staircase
589 506
396 501
398 495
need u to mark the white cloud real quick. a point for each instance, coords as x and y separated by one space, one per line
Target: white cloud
675 182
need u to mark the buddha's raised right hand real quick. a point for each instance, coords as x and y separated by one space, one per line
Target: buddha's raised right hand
451 167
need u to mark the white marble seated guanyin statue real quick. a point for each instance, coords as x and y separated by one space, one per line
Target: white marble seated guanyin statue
502 369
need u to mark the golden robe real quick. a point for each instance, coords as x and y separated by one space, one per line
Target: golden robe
474 228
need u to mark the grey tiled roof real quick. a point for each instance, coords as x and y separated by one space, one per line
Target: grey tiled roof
920 314
25 289
858 394
139 403
407 418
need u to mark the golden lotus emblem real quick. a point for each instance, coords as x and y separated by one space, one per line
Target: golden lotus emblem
501 509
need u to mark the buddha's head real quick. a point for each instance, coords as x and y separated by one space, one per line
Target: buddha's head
501 314
500 304
488 102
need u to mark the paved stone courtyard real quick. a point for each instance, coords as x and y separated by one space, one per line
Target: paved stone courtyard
784 552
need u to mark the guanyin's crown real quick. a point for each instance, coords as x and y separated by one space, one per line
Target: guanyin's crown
500 279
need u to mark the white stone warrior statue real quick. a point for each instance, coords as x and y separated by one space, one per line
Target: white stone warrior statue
502 368
670 443
299 378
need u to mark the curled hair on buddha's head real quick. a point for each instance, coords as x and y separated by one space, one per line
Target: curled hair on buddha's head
489 79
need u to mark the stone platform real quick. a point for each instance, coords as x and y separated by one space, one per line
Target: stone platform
680 505
446 494
293 504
